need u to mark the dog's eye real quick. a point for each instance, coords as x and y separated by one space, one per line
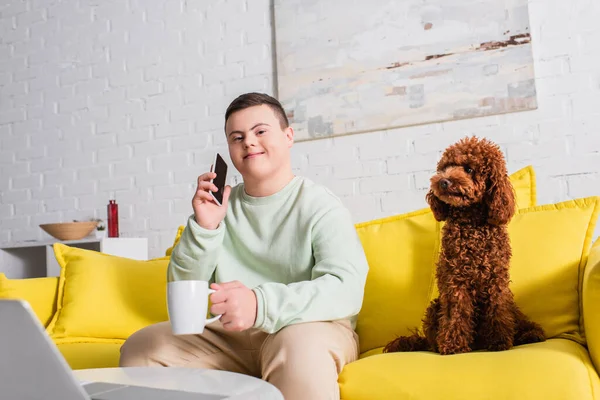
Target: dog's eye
468 170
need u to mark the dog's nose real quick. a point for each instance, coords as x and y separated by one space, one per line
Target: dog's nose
445 183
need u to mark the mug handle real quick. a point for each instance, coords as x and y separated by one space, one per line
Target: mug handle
213 319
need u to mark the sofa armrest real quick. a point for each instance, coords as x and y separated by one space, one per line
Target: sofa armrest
591 303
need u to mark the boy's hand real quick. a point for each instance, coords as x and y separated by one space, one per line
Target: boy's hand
208 214
236 302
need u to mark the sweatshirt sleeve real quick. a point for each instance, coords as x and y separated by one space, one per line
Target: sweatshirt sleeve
338 277
195 256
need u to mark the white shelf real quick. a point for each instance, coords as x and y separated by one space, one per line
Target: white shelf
37 243
28 259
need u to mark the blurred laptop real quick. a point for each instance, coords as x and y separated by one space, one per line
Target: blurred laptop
32 367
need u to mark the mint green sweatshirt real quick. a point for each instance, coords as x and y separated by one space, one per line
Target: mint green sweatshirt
297 250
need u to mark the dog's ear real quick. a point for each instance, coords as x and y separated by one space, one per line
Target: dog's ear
439 208
500 198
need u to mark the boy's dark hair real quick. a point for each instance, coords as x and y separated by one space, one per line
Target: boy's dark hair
257 99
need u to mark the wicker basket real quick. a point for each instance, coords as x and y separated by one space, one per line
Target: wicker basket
69 230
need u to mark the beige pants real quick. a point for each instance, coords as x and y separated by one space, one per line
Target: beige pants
303 360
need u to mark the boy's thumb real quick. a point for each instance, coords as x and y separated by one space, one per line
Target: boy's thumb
226 193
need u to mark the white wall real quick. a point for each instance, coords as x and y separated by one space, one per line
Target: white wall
128 97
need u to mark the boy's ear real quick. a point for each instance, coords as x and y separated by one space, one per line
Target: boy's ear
289 134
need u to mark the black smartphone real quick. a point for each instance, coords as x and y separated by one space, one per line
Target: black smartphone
220 168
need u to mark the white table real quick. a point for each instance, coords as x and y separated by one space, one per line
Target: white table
237 386
33 258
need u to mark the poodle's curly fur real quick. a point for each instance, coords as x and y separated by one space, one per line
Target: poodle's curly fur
475 310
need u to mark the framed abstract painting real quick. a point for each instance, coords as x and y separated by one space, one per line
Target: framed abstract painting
347 66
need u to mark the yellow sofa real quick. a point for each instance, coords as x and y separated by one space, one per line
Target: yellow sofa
99 300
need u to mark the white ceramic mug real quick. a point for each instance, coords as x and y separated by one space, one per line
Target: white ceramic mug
187 304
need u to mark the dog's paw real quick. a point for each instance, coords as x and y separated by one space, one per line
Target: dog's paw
448 349
407 343
531 336
392 346
500 345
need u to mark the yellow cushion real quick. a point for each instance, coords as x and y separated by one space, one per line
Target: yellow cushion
401 252
550 245
590 296
83 353
40 293
105 296
555 369
177 237
523 182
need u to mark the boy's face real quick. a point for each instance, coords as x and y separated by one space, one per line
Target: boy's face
258 146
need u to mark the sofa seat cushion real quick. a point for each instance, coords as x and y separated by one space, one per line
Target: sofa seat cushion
555 369
83 353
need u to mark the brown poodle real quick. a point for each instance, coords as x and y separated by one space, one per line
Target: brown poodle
475 310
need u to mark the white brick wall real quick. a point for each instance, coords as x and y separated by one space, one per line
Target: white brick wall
128 97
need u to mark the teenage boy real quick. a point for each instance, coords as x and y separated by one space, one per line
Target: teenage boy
286 263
